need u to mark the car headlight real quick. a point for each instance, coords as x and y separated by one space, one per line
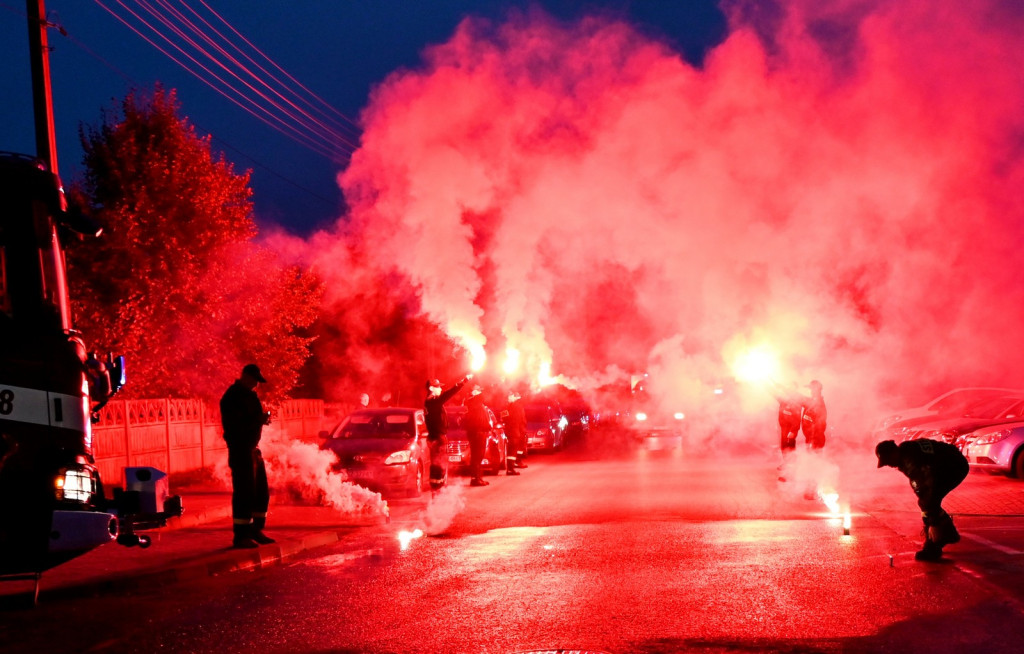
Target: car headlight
679 415
641 416
994 437
396 458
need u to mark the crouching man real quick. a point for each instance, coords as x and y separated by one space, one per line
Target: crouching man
934 469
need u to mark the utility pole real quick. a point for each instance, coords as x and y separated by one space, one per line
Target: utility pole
42 94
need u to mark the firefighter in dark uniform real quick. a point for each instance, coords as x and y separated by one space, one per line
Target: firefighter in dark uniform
791 409
815 417
437 428
515 429
243 417
478 426
934 469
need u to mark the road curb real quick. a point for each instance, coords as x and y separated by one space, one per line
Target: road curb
226 561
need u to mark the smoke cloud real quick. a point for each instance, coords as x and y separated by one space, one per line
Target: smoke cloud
300 471
838 182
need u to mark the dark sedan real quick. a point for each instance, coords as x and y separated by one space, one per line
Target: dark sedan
383 449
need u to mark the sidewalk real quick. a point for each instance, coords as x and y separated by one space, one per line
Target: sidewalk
197 544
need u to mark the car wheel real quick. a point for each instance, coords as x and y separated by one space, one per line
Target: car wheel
1018 464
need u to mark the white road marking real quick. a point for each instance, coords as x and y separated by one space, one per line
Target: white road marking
995 546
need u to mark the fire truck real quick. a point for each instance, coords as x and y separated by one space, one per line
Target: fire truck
53 506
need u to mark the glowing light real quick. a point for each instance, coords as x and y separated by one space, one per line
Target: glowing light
757 364
544 377
511 361
641 416
406 537
679 415
478 357
472 340
846 523
831 500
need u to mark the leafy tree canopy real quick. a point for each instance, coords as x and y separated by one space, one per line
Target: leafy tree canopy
178 283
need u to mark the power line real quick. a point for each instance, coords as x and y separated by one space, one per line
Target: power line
135 83
245 92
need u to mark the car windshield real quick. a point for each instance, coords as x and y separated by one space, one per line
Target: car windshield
958 401
536 413
392 425
999 407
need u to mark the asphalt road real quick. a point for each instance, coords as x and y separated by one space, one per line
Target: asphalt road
642 552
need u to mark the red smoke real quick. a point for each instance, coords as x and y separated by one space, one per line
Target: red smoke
840 180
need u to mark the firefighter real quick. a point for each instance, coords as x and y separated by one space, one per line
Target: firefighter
515 430
815 417
437 428
934 469
242 417
478 426
791 408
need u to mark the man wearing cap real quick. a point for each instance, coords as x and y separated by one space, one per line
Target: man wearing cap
934 468
242 417
437 428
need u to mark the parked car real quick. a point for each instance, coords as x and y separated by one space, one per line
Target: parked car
994 411
545 427
950 404
458 441
383 449
999 448
578 418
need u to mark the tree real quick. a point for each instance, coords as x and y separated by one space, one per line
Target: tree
178 283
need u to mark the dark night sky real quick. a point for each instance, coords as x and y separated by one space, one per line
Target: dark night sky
339 50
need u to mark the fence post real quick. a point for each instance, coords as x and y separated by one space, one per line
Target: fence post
167 432
127 438
202 434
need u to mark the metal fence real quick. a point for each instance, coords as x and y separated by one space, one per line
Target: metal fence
176 435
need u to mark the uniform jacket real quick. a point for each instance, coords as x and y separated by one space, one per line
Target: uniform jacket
436 418
815 413
477 421
241 416
928 463
515 422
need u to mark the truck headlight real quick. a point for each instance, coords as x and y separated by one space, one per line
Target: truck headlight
76 484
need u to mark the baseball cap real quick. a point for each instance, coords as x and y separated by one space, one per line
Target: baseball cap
254 371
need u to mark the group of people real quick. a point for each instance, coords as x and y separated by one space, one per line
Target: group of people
800 413
478 425
934 468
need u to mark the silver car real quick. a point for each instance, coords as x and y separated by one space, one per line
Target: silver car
999 448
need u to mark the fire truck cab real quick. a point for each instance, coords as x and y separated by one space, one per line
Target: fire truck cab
52 502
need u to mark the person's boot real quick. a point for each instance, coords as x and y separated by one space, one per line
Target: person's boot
511 471
943 532
930 552
243 537
257 532
479 482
